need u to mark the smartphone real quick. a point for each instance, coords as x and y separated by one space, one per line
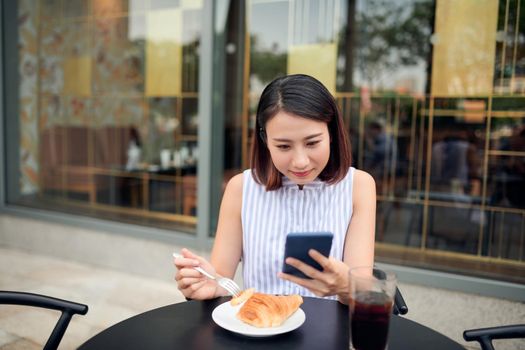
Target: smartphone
299 243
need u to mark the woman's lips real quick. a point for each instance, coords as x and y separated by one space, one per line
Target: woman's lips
302 173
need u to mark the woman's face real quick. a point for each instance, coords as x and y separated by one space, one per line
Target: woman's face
299 147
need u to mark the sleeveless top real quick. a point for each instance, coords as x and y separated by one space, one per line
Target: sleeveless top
268 216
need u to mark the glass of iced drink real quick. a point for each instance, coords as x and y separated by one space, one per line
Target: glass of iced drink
372 292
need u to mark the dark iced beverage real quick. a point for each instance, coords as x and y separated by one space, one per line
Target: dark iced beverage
369 317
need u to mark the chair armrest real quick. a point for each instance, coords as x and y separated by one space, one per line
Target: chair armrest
37 300
67 309
485 335
400 307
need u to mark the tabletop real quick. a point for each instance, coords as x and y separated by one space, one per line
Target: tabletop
189 325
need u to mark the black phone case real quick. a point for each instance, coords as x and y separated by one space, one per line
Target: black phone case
299 243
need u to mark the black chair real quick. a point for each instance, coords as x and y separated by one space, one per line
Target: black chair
67 308
485 335
400 307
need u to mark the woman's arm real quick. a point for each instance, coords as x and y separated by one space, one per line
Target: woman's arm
227 247
360 237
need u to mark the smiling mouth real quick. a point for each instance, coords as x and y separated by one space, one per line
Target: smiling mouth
302 173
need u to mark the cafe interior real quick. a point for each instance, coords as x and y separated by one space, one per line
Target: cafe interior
122 121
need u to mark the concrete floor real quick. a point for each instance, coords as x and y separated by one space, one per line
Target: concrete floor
113 296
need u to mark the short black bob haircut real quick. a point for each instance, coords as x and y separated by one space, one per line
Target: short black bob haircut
303 96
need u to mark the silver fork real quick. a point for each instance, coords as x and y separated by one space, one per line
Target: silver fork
228 284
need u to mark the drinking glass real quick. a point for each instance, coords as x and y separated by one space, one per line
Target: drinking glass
372 292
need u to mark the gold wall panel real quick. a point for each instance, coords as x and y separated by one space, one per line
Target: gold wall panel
317 60
464 47
77 75
164 53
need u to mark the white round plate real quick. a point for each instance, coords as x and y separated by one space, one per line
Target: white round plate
225 316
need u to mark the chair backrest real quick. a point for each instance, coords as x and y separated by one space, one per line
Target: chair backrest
67 308
64 146
111 145
484 336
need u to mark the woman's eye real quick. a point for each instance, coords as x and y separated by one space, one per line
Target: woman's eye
283 147
312 143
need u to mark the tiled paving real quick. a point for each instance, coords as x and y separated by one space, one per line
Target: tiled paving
112 296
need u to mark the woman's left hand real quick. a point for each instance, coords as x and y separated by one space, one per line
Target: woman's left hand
332 280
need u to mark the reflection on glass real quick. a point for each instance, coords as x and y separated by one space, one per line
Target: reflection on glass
163 124
437 161
509 68
453 228
99 76
504 235
268 44
455 164
190 121
507 181
386 45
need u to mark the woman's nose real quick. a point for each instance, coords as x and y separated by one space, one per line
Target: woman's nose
300 159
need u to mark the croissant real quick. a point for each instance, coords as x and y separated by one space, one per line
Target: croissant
245 295
265 310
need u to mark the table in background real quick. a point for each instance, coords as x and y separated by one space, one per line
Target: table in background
189 325
169 190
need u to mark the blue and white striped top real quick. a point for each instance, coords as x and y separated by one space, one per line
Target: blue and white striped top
268 216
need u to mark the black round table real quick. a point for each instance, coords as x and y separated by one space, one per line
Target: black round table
189 326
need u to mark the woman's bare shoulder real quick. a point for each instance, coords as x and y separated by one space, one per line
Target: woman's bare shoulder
364 185
362 178
235 184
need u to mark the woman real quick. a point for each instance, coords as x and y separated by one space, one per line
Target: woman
300 181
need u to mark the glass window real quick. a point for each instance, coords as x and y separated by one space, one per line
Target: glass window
434 113
102 112
108 101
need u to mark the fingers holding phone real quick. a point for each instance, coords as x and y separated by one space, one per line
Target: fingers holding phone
307 263
302 273
332 280
304 270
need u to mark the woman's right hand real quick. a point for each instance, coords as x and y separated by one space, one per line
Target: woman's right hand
191 282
